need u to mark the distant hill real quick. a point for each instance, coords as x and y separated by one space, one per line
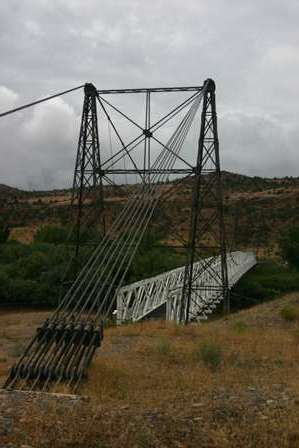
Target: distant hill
5 189
228 178
257 209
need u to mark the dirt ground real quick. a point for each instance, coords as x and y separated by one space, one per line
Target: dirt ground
231 382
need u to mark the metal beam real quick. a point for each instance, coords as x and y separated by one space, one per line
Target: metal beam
149 171
153 90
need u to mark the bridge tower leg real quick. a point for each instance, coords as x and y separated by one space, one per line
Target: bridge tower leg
207 230
87 195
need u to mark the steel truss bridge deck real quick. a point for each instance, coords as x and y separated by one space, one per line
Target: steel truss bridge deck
141 299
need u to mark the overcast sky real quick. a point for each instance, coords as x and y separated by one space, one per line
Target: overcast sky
250 48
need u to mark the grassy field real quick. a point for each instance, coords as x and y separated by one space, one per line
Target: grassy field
231 382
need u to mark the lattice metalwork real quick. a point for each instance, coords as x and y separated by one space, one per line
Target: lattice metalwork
207 230
87 196
162 293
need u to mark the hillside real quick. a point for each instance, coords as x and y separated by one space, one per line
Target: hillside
257 210
38 272
228 383
9 191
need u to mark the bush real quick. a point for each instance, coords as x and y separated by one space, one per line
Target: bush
153 261
296 334
32 275
289 245
240 327
163 346
23 291
51 234
65 234
264 282
12 251
4 286
38 274
211 355
4 233
289 313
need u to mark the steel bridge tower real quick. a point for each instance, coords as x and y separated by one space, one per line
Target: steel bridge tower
206 225
87 194
207 195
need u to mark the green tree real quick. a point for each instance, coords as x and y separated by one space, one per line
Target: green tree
289 245
4 233
51 234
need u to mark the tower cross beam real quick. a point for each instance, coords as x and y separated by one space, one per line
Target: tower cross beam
152 90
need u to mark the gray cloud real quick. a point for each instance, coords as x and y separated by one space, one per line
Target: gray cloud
249 48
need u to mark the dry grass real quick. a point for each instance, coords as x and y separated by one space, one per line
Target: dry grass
24 234
16 328
290 313
166 364
153 385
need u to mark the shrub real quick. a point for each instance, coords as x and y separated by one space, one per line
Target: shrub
4 287
296 334
51 234
289 313
4 233
211 354
264 282
240 327
152 261
12 251
37 274
163 346
65 234
289 245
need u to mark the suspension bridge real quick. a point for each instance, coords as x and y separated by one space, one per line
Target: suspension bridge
65 344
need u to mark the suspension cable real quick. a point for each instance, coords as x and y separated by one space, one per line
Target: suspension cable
149 207
94 259
42 100
105 248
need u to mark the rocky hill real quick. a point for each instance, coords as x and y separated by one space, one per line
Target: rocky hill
257 210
